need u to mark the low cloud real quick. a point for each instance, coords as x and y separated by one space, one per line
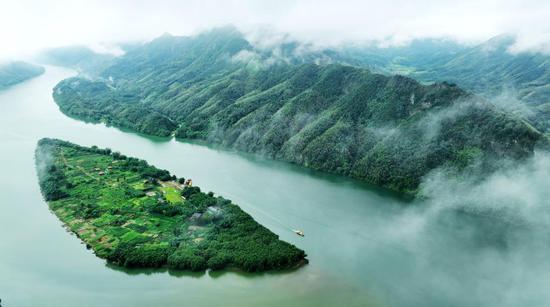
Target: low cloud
518 191
472 241
30 25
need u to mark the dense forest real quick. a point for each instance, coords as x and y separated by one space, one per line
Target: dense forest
217 87
135 215
16 72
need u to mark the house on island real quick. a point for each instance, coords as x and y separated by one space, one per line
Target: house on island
213 210
196 216
151 180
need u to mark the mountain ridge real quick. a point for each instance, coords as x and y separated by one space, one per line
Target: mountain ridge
12 73
331 117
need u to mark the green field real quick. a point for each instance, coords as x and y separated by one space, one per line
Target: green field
136 215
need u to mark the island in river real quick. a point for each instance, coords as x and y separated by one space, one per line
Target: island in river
136 215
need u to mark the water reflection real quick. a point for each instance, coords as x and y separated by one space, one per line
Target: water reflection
210 273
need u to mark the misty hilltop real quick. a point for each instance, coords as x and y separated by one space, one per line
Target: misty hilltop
492 69
301 107
12 73
81 58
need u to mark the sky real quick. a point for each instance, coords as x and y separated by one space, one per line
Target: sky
29 25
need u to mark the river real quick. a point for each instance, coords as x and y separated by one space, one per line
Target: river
351 228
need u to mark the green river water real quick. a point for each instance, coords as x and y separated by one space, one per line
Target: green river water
352 230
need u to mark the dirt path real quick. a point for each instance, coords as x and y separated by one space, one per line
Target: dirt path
172 184
78 166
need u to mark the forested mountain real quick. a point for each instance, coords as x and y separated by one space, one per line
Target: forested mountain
387 130
15 72
490 69
81 58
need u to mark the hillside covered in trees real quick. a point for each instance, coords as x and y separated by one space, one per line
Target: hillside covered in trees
492 69
16 72
217 87
135 215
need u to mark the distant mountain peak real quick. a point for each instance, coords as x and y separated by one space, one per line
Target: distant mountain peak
498 43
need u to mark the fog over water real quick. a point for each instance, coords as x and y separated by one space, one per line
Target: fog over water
482 240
